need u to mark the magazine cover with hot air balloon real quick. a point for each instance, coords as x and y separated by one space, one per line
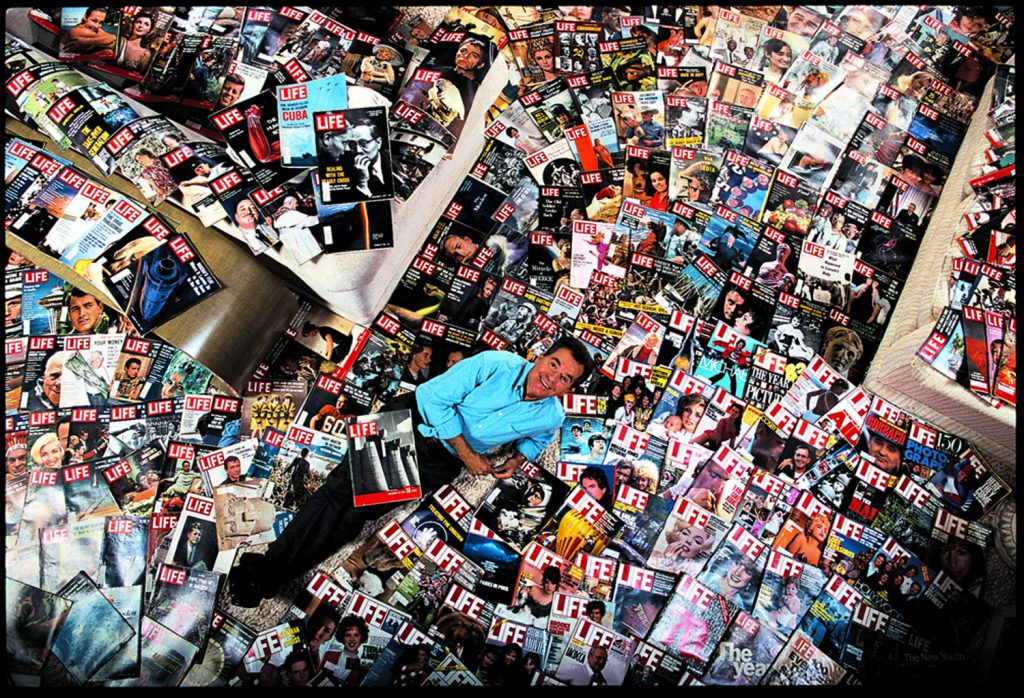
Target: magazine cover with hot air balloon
579 525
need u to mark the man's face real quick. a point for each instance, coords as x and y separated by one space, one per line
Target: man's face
454 358
595 614
732 305
460 247
359 140
802 22
234 469
299 673
886 454
195 535
12 311
802 458
17 460
324 632
523 313
591 486
468 56
51 378
132 370
552 375
84 313
597 658
230 93
245 213
651 341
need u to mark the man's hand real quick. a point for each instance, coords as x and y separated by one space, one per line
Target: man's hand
478 464
507 467
475 463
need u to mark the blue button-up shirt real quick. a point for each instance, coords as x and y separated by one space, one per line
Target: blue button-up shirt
481 398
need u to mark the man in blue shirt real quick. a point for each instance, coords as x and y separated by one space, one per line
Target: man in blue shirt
490 400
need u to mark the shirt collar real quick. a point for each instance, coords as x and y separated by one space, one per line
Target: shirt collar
520 383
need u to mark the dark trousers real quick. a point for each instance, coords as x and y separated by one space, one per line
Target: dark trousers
328 519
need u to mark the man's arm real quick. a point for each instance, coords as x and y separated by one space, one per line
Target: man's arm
438 402
476 463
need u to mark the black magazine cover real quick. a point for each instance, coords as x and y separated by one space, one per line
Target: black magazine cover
354 155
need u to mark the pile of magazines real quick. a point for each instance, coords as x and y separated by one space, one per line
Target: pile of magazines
722 204
318 120
975 339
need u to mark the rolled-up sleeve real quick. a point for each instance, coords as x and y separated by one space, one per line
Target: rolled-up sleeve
438 399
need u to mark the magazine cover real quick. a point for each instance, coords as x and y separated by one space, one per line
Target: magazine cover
227 644
518 506
687 540
34 617
183 601
444 514
93 631
801 663
429 583
235 190
407 659
163 283
89 33
787 590
383 458
354 156
86 493
66 550
692 622
745 653
194 542
89 363
133 478
124 550
251 129
806 529
736 567
580 524
594 656
280 647
303 462
230 464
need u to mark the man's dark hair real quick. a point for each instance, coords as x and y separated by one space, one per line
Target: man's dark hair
324 612
595 474
304 452
596 437
132 362
235 78
294 657
579 353
234 458
80 293
595 605
804 447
